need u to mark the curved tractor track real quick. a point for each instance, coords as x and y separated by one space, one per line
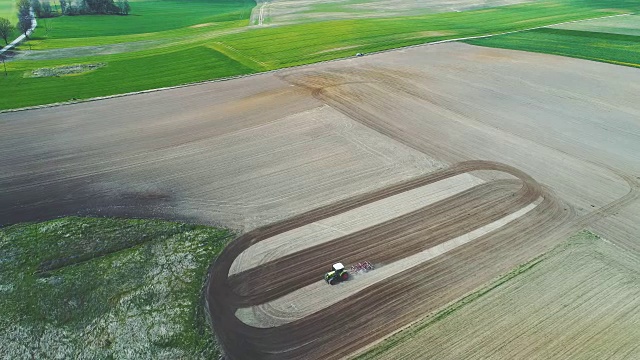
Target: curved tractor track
388 305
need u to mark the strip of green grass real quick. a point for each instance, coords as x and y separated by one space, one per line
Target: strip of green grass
106 288
611 48
121 74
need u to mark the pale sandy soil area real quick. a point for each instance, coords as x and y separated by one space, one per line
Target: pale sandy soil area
280 12
561 121
623 25
358 219
317 296
582 301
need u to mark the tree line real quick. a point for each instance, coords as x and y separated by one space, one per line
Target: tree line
94 7
67 7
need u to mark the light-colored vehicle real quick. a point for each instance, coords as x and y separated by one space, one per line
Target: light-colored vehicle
337 274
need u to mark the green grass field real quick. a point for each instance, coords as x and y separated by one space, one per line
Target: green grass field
152 16
623 25
599 46
106 288
177 52
8 10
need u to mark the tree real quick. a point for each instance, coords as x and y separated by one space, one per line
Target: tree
124 7
24 16
63 6
5 29
37 7
24 7
47 11
24 25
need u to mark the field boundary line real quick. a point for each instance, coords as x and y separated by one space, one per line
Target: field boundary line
397 267
239 56
210 81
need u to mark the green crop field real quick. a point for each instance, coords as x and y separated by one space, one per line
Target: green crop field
106 288
599 46
152 16
623 25
8 10
166 43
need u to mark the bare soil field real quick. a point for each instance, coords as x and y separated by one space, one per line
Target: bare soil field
419 287
280 12
359 147
316 296
183 163
581 301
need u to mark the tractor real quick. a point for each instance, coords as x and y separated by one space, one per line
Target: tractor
336 275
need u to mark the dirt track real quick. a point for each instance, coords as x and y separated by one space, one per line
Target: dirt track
277 151
363 316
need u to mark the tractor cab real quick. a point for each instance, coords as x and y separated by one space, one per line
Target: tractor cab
337 274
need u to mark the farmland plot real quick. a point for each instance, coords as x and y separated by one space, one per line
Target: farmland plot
623 25
545 146
582 300
614 39
279 12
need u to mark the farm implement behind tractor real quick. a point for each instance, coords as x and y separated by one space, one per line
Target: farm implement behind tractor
338 272
361 267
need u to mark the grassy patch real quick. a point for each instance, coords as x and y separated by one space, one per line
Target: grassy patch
64 70
8 10
123 74
598 46
106 288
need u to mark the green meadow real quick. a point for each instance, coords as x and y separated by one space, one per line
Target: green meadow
8 10
601 46
166 43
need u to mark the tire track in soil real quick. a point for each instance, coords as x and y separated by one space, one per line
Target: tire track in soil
380 309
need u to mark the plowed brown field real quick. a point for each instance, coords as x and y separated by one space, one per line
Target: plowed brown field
579 301
334 331
548 145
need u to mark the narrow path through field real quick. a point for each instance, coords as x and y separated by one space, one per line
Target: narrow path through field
20 38
317 296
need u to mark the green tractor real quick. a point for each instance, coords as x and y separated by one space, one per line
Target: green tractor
336 275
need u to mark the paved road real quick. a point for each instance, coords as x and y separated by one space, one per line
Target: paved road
20 38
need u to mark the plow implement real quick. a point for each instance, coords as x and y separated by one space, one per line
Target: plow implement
361 267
